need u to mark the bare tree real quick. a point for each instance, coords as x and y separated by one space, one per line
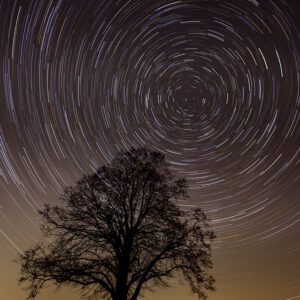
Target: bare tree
120 231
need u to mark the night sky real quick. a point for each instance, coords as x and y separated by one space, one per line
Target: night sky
214 85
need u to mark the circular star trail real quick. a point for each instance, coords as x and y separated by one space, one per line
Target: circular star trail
215 85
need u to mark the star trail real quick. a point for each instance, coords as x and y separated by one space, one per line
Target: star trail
214 85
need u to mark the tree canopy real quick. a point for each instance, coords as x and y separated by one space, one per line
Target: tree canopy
120 231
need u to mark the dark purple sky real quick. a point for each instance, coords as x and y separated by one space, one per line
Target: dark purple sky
215 85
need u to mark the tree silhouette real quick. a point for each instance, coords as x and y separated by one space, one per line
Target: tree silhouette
119 231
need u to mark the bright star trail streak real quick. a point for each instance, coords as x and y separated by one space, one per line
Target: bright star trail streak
215 85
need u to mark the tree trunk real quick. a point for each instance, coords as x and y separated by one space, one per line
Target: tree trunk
121 284
120 296
121 290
